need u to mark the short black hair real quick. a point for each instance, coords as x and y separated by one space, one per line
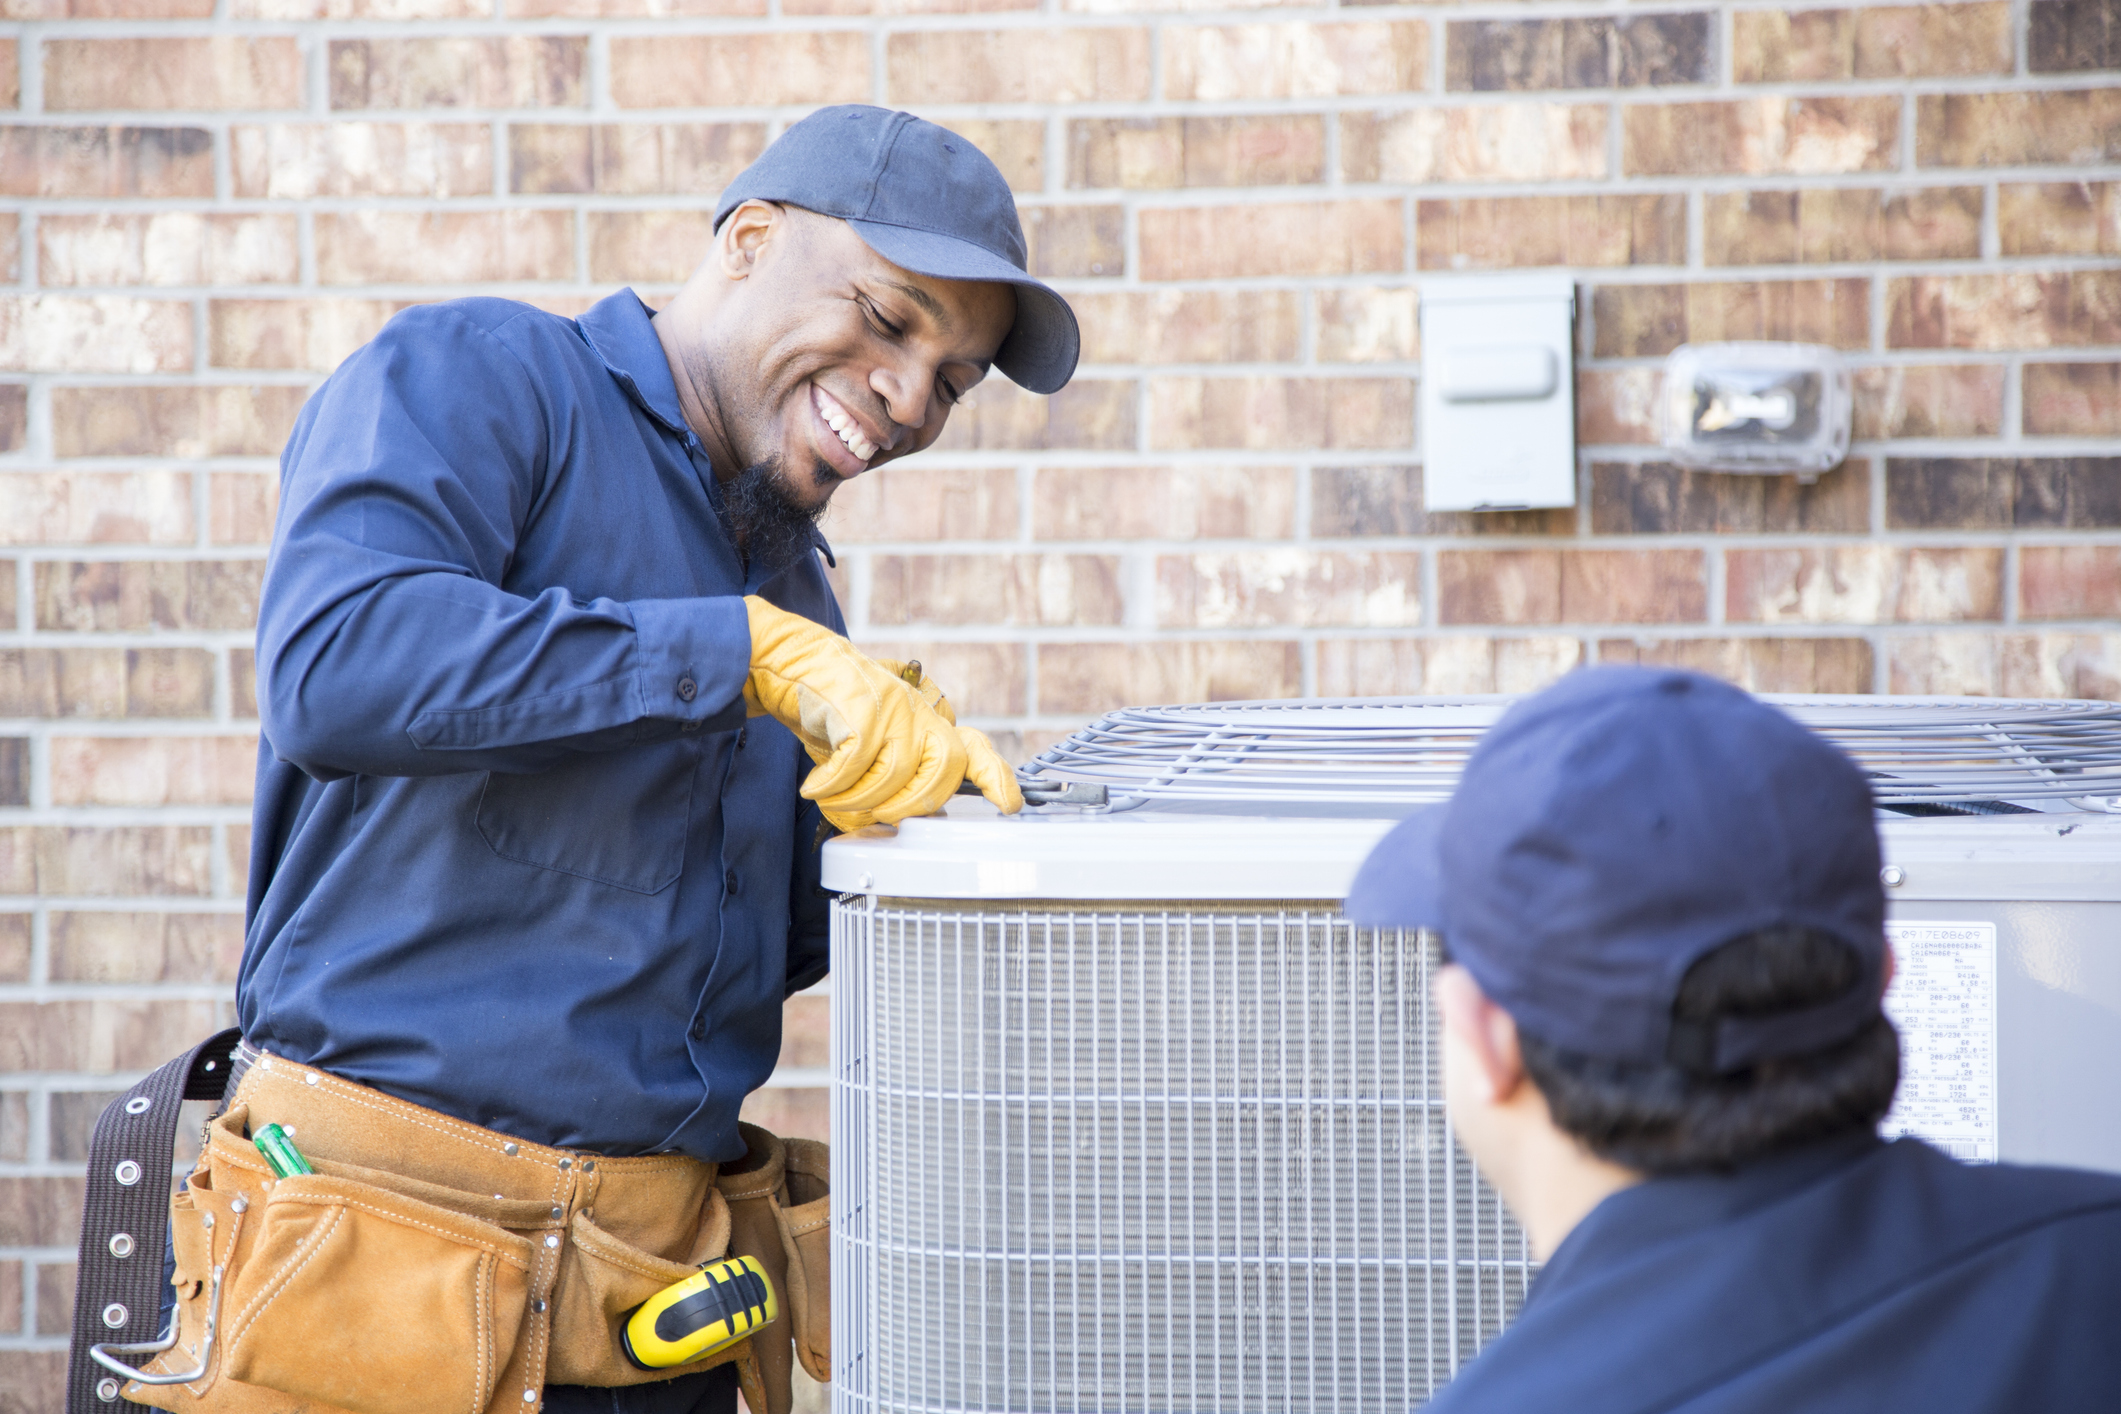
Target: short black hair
1666 1118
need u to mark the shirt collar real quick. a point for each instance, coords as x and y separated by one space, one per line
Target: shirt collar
1660 1209
618 328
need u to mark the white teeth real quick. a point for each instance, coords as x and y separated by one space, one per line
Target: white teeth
848 430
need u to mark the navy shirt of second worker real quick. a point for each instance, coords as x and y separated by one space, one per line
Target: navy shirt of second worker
517 855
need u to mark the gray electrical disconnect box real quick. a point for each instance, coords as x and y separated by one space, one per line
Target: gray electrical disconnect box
1498 392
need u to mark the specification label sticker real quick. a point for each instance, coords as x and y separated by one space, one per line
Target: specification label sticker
1943 1000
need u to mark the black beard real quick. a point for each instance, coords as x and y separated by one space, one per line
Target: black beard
772 528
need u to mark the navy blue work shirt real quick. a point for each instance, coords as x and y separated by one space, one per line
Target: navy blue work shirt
517 854
1847 1277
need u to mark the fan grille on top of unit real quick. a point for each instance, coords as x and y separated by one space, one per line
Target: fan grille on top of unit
1921 753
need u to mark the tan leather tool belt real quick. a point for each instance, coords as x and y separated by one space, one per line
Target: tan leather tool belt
430 1266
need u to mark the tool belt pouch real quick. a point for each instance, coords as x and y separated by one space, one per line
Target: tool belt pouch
346 1289
602 1279
805 1218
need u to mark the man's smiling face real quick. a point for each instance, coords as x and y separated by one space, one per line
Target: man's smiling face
820 358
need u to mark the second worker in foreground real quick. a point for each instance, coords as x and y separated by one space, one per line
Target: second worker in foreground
554 695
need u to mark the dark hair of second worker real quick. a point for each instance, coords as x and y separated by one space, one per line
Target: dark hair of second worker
1663 1119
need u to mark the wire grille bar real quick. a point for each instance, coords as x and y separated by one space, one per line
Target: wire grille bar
1116 1159
1397 751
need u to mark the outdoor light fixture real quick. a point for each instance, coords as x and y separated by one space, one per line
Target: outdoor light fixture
1756 407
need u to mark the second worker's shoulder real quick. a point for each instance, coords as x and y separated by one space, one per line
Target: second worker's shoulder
507 321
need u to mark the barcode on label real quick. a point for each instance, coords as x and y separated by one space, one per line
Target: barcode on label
1962 1150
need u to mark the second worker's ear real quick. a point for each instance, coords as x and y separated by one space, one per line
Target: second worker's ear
1485 1033
743 237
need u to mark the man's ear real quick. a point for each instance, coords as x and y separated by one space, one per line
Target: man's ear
1486 1034
743 237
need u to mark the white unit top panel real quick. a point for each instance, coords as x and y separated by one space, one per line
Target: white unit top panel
974 853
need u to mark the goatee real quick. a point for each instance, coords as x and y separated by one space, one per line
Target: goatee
772 528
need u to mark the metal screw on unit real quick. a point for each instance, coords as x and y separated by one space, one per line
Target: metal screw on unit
127 1173
509 1149
138 1105
121 1245
115 1315
107 1391
1892 876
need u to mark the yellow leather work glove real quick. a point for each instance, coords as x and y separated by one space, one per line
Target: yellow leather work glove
984 766
882 753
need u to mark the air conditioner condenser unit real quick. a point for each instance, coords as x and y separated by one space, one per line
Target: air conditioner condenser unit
1125 1116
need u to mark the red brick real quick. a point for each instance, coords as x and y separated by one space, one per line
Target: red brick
519 71
145 947
2069 582
2059 218
2073 399
242 693
1092 414
2072 36
1386 500
1075 241
648 247
99 1036
55 1298
14 967
106 162
167 248
11 1288
297 161
132 596
426 247
292 333
94 334
1217 64
1163 503
1190 326
1261 413
1841 224
791 1111
2008 664
1634 321
924 503
1016 146
2013 309
2018 129
1488 233
631 9
1378 324
1617 406
348 9
1017 65
1901 41
1392 667
1929 400
1571 586
193 73
1510 142
14 791
1657 498
1196 152
1264 588
1836 665
1097 677
103 861
106 682
1798 136
1307 238
1051 591
1861 584
10 73
223 420
674 71
99 508
32 1381
981 679
630 159
14 423
806 1032
39 1211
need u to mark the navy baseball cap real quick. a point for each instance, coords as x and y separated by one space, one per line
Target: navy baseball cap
926 200
1613 829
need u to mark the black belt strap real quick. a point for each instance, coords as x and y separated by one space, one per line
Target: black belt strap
125 1215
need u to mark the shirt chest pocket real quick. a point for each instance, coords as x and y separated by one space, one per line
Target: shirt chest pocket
617 818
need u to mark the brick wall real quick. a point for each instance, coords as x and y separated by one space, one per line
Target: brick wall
204 204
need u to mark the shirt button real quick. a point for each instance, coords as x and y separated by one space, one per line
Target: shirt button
699 1030
741 733
729 882
687 689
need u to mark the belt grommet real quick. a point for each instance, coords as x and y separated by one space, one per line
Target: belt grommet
127 1173
558 1213
138 1105
115 1315
589 1165
242 1204
566 1164
551 1240
538 1305
509 1149
206 1220
310 1079
121 1245
107 1391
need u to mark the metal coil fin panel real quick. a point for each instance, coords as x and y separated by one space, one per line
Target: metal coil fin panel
1097 1158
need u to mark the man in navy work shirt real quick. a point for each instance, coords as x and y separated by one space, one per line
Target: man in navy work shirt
553 698
1664 927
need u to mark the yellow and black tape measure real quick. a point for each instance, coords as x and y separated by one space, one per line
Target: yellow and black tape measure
711 1310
